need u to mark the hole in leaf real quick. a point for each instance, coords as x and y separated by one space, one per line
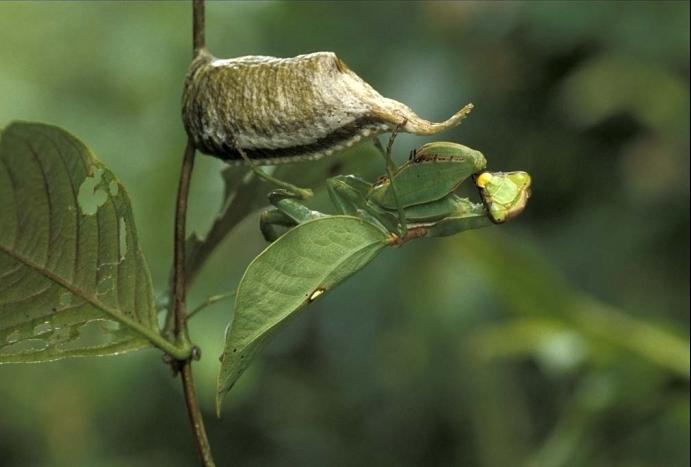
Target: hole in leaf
90 196
13 337
94 333
105 285
43 328
113 188
123 238
65 300
110 326
25 345
62 334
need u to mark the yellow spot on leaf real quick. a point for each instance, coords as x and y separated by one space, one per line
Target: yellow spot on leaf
316 294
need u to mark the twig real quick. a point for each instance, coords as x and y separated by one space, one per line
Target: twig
179 294
198 39
195 414
210 301
179 282
179 289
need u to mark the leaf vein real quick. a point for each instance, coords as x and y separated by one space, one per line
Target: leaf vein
74 202
48 198
14 193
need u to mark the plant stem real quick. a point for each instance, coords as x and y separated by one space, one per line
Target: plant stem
179 289
198 39
179 294
195 414
179 281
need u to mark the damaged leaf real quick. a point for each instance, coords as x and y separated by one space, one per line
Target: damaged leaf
73 281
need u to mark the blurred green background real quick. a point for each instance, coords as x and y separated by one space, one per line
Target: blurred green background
561 339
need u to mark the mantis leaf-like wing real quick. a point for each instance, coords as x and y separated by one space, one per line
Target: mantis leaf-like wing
295 270
433 171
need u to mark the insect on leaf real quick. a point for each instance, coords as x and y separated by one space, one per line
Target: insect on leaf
73 281
296 269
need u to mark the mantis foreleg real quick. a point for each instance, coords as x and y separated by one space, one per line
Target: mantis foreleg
300 193
390 169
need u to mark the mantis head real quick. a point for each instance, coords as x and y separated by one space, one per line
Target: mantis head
505 194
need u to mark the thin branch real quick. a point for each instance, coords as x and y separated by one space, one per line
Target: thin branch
195 414
210 301
198 39
179 295
179 281
179 289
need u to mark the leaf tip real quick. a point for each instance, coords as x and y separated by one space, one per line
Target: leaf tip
220 395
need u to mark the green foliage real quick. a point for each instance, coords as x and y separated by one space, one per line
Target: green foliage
460 351
320 251
74 281
295 270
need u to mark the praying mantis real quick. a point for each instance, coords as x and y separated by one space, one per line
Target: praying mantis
417 200
312 252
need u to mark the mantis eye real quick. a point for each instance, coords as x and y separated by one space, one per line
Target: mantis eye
483 179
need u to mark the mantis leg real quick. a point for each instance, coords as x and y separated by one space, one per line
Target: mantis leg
270 222
467 215
390 169
348 193
288 212
300 193
454 225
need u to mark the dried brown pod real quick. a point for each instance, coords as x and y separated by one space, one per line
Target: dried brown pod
286 109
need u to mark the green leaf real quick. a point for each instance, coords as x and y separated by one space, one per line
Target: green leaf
302 265
73 281
244 194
